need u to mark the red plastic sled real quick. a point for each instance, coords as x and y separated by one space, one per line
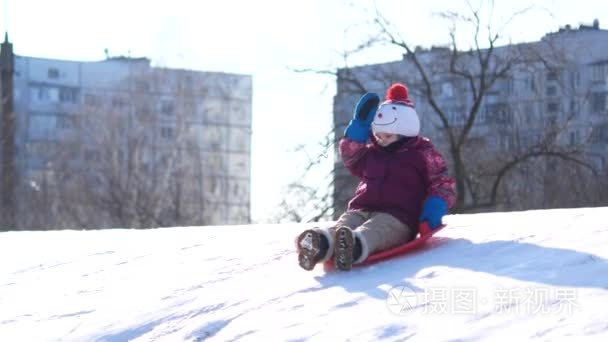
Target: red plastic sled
425 233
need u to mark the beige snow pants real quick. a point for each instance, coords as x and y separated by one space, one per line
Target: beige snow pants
377 231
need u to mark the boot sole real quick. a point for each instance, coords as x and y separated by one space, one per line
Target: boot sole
309 247
343 252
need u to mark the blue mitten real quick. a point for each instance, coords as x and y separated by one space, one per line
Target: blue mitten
433 211
365 110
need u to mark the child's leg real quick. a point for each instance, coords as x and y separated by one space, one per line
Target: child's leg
382 231
345 244
352 219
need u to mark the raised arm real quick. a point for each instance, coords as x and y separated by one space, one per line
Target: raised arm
352 146
353 155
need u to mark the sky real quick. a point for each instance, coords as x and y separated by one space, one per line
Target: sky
518 276
266 39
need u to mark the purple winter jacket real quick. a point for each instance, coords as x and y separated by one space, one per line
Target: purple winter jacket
397 182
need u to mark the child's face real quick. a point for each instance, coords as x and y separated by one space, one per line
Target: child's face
385 139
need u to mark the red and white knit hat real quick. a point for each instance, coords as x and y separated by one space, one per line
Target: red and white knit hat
397 114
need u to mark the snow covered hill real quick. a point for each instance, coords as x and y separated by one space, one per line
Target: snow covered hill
536 275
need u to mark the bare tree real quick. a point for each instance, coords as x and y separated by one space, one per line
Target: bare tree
309 198
143 157
125 174
501 153
479 71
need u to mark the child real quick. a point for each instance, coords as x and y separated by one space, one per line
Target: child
403 181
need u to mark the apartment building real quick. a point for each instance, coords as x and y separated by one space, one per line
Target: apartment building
555 90
159 146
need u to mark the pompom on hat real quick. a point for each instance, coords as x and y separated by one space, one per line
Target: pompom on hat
397 114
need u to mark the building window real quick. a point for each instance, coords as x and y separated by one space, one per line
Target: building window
214 187
574 107
39 149
598 102
53 73
552 75
599 72
143 109
66 121
529 111
575 78
599 134
142 86
167 132
531 83
551 90
188 109
505 86
92 155
456 116
447 90
498 113
118 102
68 95
505 143
239 112
552 107
195 134
42 93
92 100
215 163
215 112
164 160
574 138
214 138
166 107
188 85
45 94
238 165
41 126
239 139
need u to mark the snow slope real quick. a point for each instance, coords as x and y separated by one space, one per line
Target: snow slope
536 275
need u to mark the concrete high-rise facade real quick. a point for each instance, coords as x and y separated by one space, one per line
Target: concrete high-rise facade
8 174
556 89
166 144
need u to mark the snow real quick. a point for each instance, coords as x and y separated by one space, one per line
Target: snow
534 275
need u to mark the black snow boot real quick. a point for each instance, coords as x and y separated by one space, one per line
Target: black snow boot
347 250
312 248
343 249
